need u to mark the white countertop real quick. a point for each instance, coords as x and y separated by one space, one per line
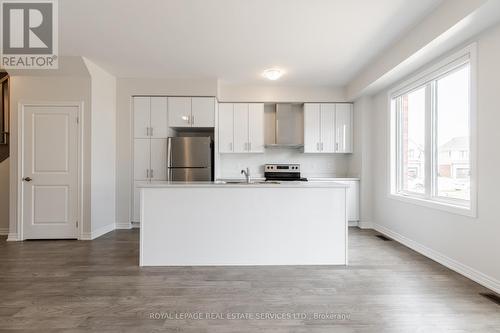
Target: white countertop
311 179
221 184
332 179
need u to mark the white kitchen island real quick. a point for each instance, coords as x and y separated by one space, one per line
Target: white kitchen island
296 223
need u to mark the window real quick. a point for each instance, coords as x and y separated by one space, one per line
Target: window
431 135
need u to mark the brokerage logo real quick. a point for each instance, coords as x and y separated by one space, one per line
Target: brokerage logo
29 34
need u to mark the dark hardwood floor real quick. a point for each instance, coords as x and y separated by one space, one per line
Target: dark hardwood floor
80 286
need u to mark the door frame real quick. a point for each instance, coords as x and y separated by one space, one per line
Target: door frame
20 158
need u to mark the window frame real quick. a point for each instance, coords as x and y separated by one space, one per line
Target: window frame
427 78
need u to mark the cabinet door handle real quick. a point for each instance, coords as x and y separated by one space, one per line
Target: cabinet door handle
152 174
192 120
249 146
230 146
147 131
147 173
151 131
317 146
336 146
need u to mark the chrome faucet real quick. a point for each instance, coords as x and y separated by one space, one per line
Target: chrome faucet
247 174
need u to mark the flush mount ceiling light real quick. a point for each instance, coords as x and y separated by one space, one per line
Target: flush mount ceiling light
272 73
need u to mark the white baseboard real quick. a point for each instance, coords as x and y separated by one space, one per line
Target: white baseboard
4 231
123 225
98 232
136 224
481 278
365 225
352 223
12 237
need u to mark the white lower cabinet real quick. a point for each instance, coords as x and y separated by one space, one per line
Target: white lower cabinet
142 160
136 209
352 199
150 165
158 165
352 195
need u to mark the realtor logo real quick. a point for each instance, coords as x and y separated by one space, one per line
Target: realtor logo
29 34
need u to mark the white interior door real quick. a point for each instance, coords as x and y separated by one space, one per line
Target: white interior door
311 128
240 127
327 128
50 172
256 127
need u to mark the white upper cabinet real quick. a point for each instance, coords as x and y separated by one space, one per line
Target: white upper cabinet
241 127
327 128
312 122
343 128
256 128
179 111
142 117
159 121
327 131
225 128
202 112
191 111
150 117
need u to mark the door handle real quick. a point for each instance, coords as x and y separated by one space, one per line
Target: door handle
27 179
152 174
151 133
147 173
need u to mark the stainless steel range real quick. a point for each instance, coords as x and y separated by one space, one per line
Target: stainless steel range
283 172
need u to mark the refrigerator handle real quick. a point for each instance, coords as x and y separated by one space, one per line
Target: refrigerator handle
169 157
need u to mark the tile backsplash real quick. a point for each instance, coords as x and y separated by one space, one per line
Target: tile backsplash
312 165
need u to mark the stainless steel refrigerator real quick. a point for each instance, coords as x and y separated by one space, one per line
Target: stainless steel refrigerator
189 159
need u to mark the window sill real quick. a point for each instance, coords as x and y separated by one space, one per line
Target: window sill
444 206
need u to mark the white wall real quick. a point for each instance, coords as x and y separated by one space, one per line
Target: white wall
103 146
276 93
312 165
126 88
451 23
360 161
469 245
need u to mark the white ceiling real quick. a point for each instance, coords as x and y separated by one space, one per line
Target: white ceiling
317 42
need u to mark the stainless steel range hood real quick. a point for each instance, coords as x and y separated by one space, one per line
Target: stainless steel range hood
288 126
